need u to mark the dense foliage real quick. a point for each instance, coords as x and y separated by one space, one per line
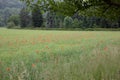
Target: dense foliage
104 13
68 21
69 7
54 20
37 17
52 13
7 9
14 19
10 3
24 18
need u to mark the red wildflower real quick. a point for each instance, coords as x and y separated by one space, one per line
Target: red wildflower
37 51
33 65
33 43
105 48
8 69
47 47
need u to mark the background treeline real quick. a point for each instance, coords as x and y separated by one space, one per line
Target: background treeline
50 19
16 15
9 8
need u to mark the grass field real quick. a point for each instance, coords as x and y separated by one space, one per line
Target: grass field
59 55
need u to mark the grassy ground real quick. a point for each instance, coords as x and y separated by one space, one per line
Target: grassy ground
59 55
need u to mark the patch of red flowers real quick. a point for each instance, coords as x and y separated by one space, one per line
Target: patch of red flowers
37 51
105 48
33 65
47 47
8 69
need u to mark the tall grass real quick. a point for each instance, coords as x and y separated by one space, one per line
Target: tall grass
59 55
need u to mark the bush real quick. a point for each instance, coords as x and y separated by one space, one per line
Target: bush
68 22
95 26
76 23
15 19
10 25
37 17
25 18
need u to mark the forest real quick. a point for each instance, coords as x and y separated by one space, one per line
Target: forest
8 8
21 14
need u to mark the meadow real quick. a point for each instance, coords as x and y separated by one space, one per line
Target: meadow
59 55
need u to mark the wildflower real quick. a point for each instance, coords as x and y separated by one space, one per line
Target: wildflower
47 47
33 65
37 51
105 48
8 69
33 43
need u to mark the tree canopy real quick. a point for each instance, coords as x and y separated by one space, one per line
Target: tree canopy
105 8
37 17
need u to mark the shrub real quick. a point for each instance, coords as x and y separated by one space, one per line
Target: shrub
10 25
76 23
15 19
68 21
95 26
25 18
37 17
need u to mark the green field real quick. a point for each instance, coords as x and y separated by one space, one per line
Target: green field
59 55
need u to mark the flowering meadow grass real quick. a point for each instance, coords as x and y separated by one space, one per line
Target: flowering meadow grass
59 55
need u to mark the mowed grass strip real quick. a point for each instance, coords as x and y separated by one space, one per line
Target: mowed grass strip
59 55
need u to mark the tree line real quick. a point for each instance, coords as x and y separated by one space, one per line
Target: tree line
7 9
67 14
50 19
94 11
